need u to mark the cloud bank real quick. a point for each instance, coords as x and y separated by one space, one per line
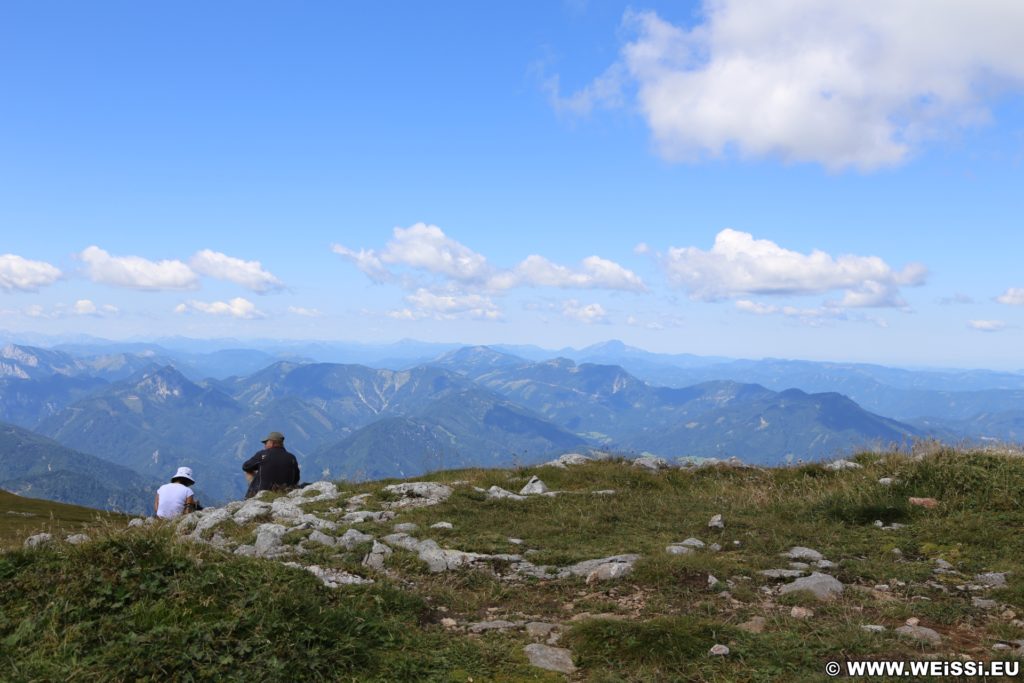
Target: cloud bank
23 275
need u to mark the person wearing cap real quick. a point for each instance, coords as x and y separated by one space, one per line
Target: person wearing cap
177 497
273 468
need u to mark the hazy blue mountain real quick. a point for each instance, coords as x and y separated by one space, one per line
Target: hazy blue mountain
461 429
474 361
153 423
26 402
32 465
777 428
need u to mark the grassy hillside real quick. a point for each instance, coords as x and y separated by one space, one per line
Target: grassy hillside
143 605
21 517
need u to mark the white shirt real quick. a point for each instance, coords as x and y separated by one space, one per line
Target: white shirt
172 499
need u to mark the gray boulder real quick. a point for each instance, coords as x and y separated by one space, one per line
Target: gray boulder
991 579
782 573
651 462
351 538
268 540
250 510
323 539
417 494
377 556
77 539
839 465
822 586
498 493
568 459
716 522
801 553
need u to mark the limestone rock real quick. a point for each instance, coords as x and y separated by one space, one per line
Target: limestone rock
533 487
378 554
678 549
322 490
322 538
497 625
921 633
38 540
822 586
801 553
601 569
351 538
651 462
568 459
332 578
801 613
360 516
984 603
782 573
839 465
208 519
716 522
442 525
719 650
540 629
924 502
886 481
873 628
406 527
268 540
991 579
499 493
692 543
550 658
251 510
77 539
417 494
138 521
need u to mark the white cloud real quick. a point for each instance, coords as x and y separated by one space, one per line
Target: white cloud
588 313
987 325
739 265
595 273
426 248
1014 296
819 313
843 84
85 307
236 308
425 303
304 312
135 272
959 299
248 274
641 248
21 274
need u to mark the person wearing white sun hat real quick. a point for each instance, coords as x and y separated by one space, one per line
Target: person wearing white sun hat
177 497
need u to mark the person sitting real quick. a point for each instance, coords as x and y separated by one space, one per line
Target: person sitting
177 497
273 468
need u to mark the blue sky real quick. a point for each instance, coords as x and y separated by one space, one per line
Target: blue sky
792 178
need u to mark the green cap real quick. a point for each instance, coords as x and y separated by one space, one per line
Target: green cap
274 436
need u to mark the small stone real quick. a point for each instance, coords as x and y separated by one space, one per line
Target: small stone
839 465
984 603
873 628
883 587
719 650
77 539
516 541
138 521
651 462
782 573
897 552
322 538
406 527
801 613
678 550
497 625
799 565
714 547
886 481
1001 647
753 625
1009 615
716 522
942 564
928 503
692 543
712 581
550 658
913 621
879 523
448 622
442 525
498 493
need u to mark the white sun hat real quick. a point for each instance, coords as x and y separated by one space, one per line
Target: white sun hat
184 473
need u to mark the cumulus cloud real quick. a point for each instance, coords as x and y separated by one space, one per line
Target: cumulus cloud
21 274
737 264
594 273
135 272
426 304
987 325
235 308
427 249
1014 296
843 84
584 313
758 308
248 274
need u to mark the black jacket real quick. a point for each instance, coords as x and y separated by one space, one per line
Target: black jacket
275 468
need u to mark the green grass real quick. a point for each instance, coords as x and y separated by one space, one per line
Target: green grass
139 604
21 517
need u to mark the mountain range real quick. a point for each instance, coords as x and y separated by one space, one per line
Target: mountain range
143 408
